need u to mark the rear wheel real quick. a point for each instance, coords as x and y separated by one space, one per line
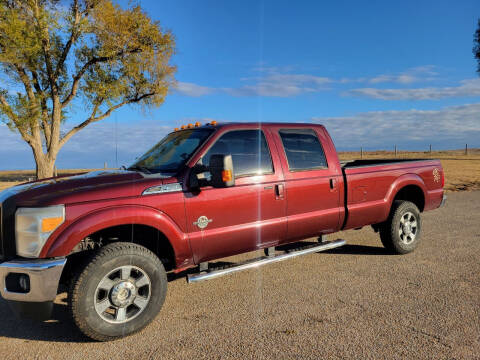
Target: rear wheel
119 291
401 232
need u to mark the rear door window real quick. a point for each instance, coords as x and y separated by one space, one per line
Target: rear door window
303 149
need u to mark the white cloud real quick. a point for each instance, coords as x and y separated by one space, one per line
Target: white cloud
97 143
415 74
191 89
281 85
467 88
283 82
448 126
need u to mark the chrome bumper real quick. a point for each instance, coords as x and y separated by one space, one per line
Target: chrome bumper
444 199
44 276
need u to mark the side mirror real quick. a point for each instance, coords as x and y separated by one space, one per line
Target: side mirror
221 169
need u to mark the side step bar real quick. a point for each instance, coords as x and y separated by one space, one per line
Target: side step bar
254 263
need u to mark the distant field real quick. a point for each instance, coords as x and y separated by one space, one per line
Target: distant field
462 172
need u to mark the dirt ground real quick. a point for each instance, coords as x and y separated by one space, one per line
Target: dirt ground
355 302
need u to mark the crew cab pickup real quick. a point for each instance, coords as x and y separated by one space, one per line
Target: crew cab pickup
202 193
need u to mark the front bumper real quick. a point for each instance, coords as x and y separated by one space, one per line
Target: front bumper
43 278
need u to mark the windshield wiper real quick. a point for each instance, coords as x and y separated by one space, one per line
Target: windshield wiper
140 168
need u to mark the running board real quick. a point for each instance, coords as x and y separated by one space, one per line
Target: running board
254 263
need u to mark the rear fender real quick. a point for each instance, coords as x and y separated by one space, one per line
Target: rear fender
399 184
69 237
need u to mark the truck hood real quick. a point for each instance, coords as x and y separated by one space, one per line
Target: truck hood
92 186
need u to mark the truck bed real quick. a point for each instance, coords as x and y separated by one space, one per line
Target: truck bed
368 184
374 162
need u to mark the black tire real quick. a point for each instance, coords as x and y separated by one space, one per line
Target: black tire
393 233
86 291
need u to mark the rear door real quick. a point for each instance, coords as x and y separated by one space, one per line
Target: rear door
247 216
312 181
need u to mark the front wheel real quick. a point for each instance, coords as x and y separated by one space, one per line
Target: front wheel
401 232
119 291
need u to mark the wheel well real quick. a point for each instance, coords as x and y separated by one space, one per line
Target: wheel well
144 235
412 193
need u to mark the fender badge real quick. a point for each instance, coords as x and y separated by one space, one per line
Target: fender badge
202 222
436 175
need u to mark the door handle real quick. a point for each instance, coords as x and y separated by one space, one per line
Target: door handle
279 190
333 183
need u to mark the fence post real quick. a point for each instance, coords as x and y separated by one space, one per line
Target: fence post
430 148
395 150
361 152
466 149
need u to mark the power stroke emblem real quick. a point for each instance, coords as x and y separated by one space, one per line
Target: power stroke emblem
202 222
436 175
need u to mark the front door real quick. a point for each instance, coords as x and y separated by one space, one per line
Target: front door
248 216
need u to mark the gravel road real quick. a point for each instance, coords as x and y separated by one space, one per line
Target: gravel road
354 302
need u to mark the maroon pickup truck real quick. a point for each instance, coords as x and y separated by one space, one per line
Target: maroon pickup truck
202 193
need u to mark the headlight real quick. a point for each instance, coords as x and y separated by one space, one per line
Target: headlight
33 226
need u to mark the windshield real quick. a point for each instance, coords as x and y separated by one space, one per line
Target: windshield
170 154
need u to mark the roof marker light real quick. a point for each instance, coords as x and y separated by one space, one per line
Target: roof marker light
197 124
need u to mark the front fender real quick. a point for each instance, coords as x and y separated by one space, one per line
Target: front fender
63 243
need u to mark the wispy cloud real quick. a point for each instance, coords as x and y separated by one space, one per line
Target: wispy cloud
281 85
284 82
191 89
416 74
467 88
455 124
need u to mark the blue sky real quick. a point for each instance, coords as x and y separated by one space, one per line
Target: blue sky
376 73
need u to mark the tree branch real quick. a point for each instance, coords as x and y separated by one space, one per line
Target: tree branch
84 68
6 108
93 118
43 104
46 50
71 40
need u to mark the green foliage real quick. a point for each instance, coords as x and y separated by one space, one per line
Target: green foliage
90 50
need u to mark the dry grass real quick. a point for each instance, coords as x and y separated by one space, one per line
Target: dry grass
462 172
14 177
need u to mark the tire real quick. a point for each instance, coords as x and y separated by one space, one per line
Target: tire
118 292
401 232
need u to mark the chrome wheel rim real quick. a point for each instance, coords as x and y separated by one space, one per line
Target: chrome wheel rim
408 228
122 294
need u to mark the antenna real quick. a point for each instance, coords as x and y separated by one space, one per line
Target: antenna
116 143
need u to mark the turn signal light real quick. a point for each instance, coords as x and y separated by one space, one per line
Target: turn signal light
227 175
50 224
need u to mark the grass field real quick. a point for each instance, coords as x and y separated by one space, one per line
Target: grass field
462 172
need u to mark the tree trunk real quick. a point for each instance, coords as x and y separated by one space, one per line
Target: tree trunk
45 169
45 165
